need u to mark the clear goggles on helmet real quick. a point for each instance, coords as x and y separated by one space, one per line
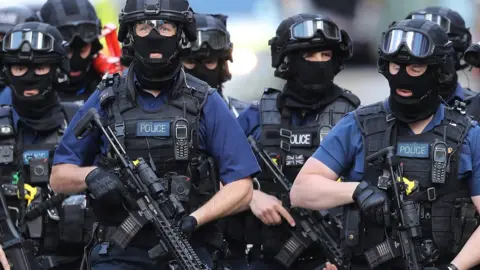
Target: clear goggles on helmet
308 30
87 31
38 41
163 27
217 40
443 22
418 44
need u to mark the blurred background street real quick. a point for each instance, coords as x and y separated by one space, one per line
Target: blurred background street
253 22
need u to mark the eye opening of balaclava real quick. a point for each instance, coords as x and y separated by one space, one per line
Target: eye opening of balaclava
39 112
424 99
310 83
156 73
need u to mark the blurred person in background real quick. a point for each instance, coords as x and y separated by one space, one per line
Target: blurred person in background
9 17
33 57
210 54
308 51
461 38
80 27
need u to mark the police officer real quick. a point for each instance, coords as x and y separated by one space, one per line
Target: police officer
472 57
210 55
143 107
460 36
9 17
80 27
414 120
308 51
32 128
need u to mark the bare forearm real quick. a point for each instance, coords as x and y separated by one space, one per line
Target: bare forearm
467 259
68 178
319 193
229 200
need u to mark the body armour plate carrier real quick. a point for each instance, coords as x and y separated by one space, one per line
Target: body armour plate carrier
441 204
155 135
152 134
292 146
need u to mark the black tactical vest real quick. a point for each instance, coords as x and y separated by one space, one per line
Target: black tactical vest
62 230
152 135
292 146
441 204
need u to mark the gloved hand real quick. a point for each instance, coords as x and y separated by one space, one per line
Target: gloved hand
187 224
374 203
105 186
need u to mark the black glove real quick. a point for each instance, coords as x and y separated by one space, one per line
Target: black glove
105 186
187 224
374 203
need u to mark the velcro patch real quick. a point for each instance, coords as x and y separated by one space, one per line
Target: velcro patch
413 149
34 154
153 128
301 139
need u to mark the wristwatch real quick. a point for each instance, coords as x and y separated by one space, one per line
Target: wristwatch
451 267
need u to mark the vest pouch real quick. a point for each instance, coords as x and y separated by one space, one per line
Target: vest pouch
7 135
72 219
273 238
465 221
441 228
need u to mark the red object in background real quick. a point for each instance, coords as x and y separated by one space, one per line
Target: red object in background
111 63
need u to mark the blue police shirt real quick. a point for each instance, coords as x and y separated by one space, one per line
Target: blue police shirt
220 135
342 150
249 120
6 96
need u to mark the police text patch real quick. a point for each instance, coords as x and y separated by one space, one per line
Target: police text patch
303 139
413 149
153 128
34 154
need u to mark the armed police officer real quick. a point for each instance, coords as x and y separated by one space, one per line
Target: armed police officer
80 27
461 38
437 155
33 57
152 109
308 51
9 17
210 55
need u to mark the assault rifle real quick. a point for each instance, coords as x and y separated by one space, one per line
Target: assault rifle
151 204
312 227
406 214
19 252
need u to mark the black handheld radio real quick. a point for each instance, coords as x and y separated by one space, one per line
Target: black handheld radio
181 139
439 162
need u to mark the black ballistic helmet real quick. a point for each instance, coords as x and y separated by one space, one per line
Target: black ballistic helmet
417 41
453 23
308 31
73 19
13 15
178 11
35 42
212 36
472 55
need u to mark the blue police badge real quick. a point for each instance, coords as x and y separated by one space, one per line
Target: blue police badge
413 149
34 154
153 128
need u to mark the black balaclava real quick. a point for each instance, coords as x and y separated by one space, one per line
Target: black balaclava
77 63
40 112
214 77
156 73
311 85
425 99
